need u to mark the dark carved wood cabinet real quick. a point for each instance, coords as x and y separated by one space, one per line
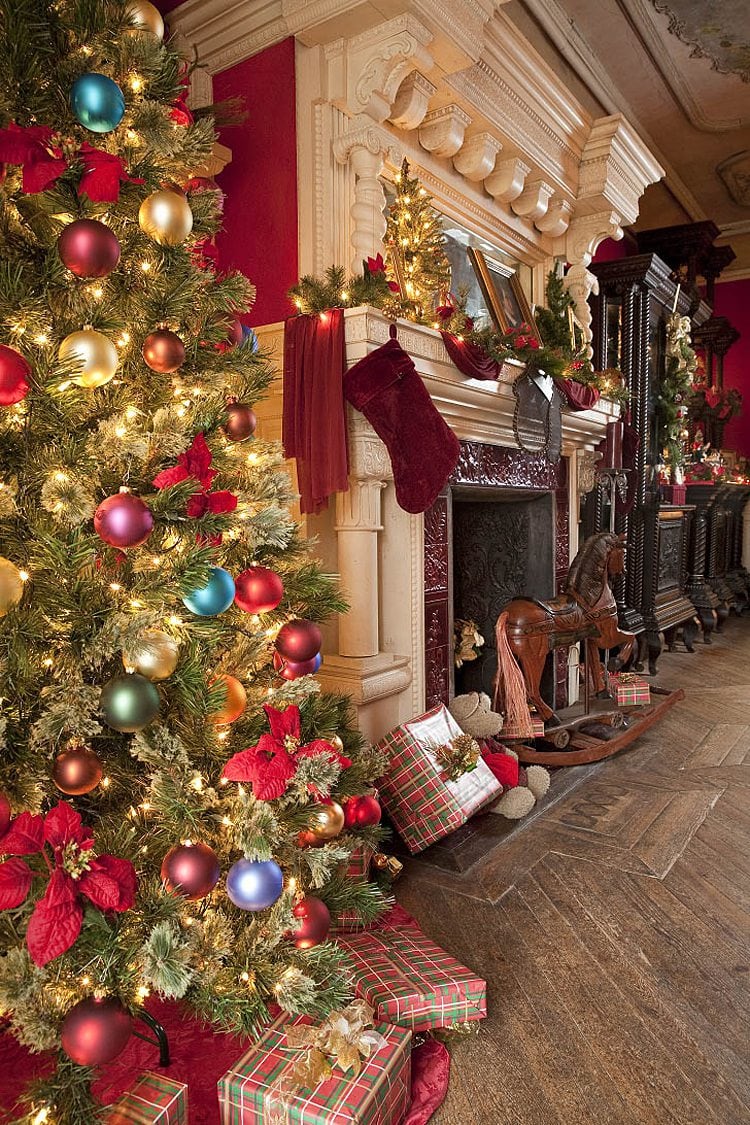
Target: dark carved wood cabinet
717 580
636 296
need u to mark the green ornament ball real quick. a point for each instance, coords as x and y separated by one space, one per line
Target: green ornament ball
129 703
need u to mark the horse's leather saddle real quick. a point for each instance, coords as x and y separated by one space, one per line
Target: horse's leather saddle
568 617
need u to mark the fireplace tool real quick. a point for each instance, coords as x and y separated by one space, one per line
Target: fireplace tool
613 481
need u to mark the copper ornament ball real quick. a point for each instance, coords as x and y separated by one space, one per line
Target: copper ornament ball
234 704
76 770
191 870
241 422
163 351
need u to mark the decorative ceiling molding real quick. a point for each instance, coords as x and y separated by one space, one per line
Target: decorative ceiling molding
735 173
654 37
707 38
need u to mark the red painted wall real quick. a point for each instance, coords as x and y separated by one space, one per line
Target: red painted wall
733 301
260 219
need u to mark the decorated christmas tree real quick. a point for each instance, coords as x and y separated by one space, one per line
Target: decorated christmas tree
159 830
416 251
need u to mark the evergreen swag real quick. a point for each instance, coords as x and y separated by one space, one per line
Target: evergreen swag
675 390
63 449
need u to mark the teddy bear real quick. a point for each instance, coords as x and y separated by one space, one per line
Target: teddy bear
522 787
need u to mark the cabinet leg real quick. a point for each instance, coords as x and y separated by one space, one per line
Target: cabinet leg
722 613
670 638
639 656
708 622
654 643
690 632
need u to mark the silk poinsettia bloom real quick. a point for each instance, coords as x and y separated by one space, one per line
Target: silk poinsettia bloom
38 149
269 766
196 462
76 874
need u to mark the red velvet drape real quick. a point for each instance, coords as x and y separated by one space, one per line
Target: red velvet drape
314 423
470 360
579 396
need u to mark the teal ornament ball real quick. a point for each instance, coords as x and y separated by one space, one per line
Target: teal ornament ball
215 597
254 884
97 102
129 703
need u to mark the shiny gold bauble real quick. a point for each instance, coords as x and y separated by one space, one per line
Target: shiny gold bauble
146 18
154 655
336 742
327 822
166 217
11 586
234 704
96 352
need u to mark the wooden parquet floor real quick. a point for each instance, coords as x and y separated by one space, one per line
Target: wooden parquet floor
614 932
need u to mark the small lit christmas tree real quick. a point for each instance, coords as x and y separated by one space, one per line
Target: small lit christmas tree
415 244
154 590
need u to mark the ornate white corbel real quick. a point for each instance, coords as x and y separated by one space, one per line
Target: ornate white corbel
366 147
411 102
507 181
533 201
584 235
442 131
476 157
557 219
365 72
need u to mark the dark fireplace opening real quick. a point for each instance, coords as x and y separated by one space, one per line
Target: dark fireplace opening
503 547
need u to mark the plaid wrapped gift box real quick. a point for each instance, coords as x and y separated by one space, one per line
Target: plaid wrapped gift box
629 689
412 982
424 806
509 732
154 1098
249 1093
357 868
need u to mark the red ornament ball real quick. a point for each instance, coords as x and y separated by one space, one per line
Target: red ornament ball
240 423
316 922
299 640
289 670
5 814
362 812
191 870
123 520
15 371
258 589
307 839
235 332
163 351
88 248
76 771
96 1031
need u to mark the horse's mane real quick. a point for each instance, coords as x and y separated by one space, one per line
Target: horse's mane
583 576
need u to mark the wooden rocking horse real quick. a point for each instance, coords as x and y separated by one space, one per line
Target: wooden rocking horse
586 611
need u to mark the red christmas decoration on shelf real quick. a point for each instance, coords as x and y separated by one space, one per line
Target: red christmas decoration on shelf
269 766
77 873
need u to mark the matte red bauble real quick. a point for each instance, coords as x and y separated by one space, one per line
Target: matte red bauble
234 704
88 248
163 351
235 332
76 771
191 870
5 813
362 812
240 423
123 520
14 376
258 589
299 640
291 670
95 1031
315 922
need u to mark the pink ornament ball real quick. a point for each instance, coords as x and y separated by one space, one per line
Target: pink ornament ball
95 1030
191 870
123 520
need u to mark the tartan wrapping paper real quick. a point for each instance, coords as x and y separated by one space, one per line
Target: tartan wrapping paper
379 1095
358 868
411 982
154 1098
511 732
629 689
422 805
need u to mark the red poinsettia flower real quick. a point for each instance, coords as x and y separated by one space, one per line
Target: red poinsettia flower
76 873
180 113
445 312
270 765
376 264
38 150
196 463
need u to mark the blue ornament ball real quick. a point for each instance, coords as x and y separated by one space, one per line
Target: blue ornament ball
97 102
254 884
249 339
318 661
210 600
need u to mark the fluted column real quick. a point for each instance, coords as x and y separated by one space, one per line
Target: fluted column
358 522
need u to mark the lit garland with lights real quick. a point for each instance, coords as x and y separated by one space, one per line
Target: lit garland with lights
154 590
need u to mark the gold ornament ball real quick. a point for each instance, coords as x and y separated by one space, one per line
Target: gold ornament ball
154 655
328 821
97 354
11 586
146 18
166 217
336 742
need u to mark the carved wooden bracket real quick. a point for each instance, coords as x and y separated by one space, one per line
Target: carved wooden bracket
507 181
584 235
476 157
533 201
411 102
557 219
442 131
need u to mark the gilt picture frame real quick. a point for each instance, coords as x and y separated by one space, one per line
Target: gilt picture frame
503 292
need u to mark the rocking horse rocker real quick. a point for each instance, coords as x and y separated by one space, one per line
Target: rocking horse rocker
528 630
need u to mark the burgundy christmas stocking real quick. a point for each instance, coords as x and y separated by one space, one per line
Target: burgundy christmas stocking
386 388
